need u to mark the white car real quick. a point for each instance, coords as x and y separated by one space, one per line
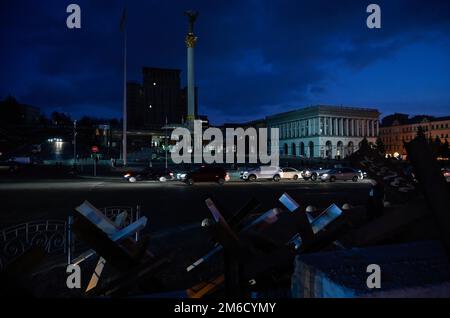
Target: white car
313 174
263 172
291 173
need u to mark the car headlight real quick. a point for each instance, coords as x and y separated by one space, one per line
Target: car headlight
127 175
325 175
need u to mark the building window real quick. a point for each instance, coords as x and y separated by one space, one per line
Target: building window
311 149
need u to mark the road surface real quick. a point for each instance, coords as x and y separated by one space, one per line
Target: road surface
167 205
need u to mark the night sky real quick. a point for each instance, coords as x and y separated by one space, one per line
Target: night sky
253 58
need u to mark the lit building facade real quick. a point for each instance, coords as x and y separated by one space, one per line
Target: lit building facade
324 131
395 133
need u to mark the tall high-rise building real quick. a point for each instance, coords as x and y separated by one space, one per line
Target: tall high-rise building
159 98
135 105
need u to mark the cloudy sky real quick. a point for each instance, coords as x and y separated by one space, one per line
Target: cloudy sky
253 57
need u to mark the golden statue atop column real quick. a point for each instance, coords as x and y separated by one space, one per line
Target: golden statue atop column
190 37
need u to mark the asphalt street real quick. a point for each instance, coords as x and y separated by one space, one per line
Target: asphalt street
167 205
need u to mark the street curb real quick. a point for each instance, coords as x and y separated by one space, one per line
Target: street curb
101 178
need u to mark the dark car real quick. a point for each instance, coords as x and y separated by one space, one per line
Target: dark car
207 174
161 174
446 172
9 166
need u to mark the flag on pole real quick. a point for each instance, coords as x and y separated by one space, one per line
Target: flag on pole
123 20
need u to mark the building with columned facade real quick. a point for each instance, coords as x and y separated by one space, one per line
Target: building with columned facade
324 131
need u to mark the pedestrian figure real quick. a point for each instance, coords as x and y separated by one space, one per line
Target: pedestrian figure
375 202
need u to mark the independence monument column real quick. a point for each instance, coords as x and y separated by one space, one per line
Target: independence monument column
190 44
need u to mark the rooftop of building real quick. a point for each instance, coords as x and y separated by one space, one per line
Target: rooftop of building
398 119
324 108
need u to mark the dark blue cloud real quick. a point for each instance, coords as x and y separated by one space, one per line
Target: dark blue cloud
253 57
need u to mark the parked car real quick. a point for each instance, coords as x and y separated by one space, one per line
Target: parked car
340 174
207 174
263 172
446 172
161 174
313 174
290 173
9 166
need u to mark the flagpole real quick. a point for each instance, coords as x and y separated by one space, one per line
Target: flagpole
124 132
165 140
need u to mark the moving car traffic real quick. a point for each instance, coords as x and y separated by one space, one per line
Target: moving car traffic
291 173
313 174
263 172
160 174
207 174
340 174
446 172
9 166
